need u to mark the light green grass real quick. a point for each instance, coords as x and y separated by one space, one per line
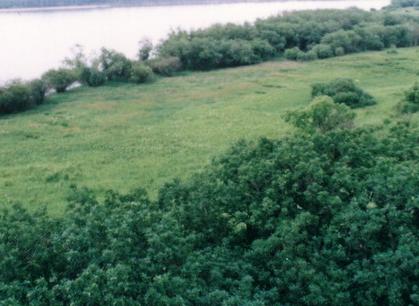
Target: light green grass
125 136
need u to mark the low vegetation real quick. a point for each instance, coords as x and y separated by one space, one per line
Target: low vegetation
327 215
343 91
17 96
411 101
123 135
315 203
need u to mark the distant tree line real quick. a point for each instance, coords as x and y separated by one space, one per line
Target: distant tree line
405 3
302 36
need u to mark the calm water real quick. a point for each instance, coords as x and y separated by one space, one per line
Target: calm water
33 42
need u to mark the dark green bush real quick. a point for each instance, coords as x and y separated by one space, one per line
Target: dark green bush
141 73
325 32
38 91
146 47
18 96
92 76
59 79
405 3
307 56
292 53
115 65
323 51
167 66
411 102
343 91
322 115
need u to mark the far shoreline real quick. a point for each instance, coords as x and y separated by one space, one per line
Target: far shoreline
18 10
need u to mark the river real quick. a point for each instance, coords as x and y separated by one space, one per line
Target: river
35 41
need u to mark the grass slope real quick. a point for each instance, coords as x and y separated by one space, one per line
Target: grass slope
124 136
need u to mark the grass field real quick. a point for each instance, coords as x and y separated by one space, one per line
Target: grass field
124 136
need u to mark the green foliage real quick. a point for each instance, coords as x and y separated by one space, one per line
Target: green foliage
141 73
323 51
59 79
322 115
165 66
299 36
18 96
115 65
307 56
92 76
146 47
411 103
292 53
343 91
321 218
405 3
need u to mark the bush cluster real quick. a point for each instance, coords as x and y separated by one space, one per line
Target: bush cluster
299 36
343 91
18 96
59 79
411 101
328 217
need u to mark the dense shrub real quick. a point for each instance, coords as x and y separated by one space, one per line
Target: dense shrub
141 73
18 96
59 79
326 33
146 47
326 218
115 65
307 56
38 90
92 76
323 51
292 53
411 102
166 66
405 3
322 115
343 91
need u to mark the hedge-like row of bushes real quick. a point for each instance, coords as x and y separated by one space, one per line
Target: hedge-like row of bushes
18 96
301 36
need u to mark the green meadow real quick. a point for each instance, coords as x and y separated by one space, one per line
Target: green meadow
123 136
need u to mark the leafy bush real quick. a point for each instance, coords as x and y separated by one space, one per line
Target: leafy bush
405 3
92 76
322 115
411 103
323 51
18 96
343 91
292 53
167 66
325 32
115 65
38 91
146 47
307 56
59 79
141 73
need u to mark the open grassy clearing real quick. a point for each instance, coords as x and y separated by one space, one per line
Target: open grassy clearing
125 136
